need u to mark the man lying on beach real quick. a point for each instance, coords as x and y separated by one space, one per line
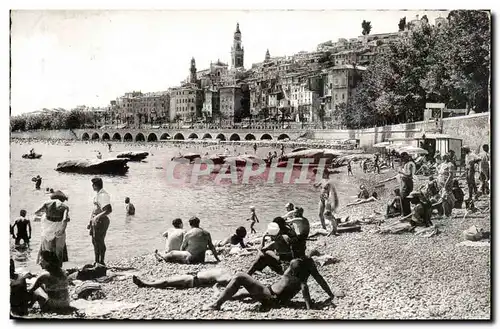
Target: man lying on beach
206 278
280 293
374 197
235 239
194 246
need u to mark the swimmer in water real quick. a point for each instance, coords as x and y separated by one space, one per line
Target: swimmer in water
23 229
129 208
38 181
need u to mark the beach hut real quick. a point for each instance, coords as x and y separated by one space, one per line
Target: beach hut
443 143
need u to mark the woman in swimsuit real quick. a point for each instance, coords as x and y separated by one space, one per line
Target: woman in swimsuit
50 289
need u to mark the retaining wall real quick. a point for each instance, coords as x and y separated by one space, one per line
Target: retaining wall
473 129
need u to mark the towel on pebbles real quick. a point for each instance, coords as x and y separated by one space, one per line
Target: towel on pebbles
325 260
101 307
468 243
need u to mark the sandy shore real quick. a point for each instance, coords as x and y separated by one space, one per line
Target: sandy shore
382 276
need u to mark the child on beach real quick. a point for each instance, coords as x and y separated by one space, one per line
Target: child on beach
253 219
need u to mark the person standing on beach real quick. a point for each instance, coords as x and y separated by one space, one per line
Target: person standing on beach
53 226
406 178
470 164
328 199
253 218
349 169
485 170
99 222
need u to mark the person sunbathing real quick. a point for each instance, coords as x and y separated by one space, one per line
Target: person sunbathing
359 201
280 293
276 252
194 246
206 278
394 207
235 239
50 289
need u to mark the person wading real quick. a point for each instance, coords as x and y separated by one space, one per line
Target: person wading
99 221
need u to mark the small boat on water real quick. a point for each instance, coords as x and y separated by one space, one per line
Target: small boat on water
133 156
32 156
113 166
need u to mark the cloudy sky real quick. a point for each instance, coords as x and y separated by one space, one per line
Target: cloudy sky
70 58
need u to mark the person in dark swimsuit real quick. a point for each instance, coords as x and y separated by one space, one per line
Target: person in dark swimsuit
38 181
293 280
129 208
276 252
235 239
23 229
20 299
206 278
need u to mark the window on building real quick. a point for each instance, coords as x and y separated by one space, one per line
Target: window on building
343 95
336 96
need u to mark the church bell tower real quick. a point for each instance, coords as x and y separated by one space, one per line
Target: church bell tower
237 51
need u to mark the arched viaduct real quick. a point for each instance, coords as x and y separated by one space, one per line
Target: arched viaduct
154 135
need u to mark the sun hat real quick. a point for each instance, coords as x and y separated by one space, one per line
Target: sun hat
273 229
59 195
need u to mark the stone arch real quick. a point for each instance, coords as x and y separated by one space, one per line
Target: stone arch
105 137
249 137
283 136
220 137
266 137
234 137
117 137
85 137
207 136
127 137
193 135
95 136
165 136
179 136
152 137
140 137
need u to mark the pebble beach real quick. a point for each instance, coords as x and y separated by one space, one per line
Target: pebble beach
375 276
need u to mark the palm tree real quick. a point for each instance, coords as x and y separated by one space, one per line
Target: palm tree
367 27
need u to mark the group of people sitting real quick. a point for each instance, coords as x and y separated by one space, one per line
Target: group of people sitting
282 249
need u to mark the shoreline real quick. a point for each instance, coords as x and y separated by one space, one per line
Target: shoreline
321 144
382 276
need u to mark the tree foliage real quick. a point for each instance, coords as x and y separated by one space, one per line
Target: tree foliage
402 24
366 26
448 64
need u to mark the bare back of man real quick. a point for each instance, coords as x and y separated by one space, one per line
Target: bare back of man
193 249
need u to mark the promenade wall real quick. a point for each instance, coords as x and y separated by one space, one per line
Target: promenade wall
473 129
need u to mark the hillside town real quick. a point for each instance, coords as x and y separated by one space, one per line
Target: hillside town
306 87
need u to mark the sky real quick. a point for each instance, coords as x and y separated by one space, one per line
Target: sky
70 58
